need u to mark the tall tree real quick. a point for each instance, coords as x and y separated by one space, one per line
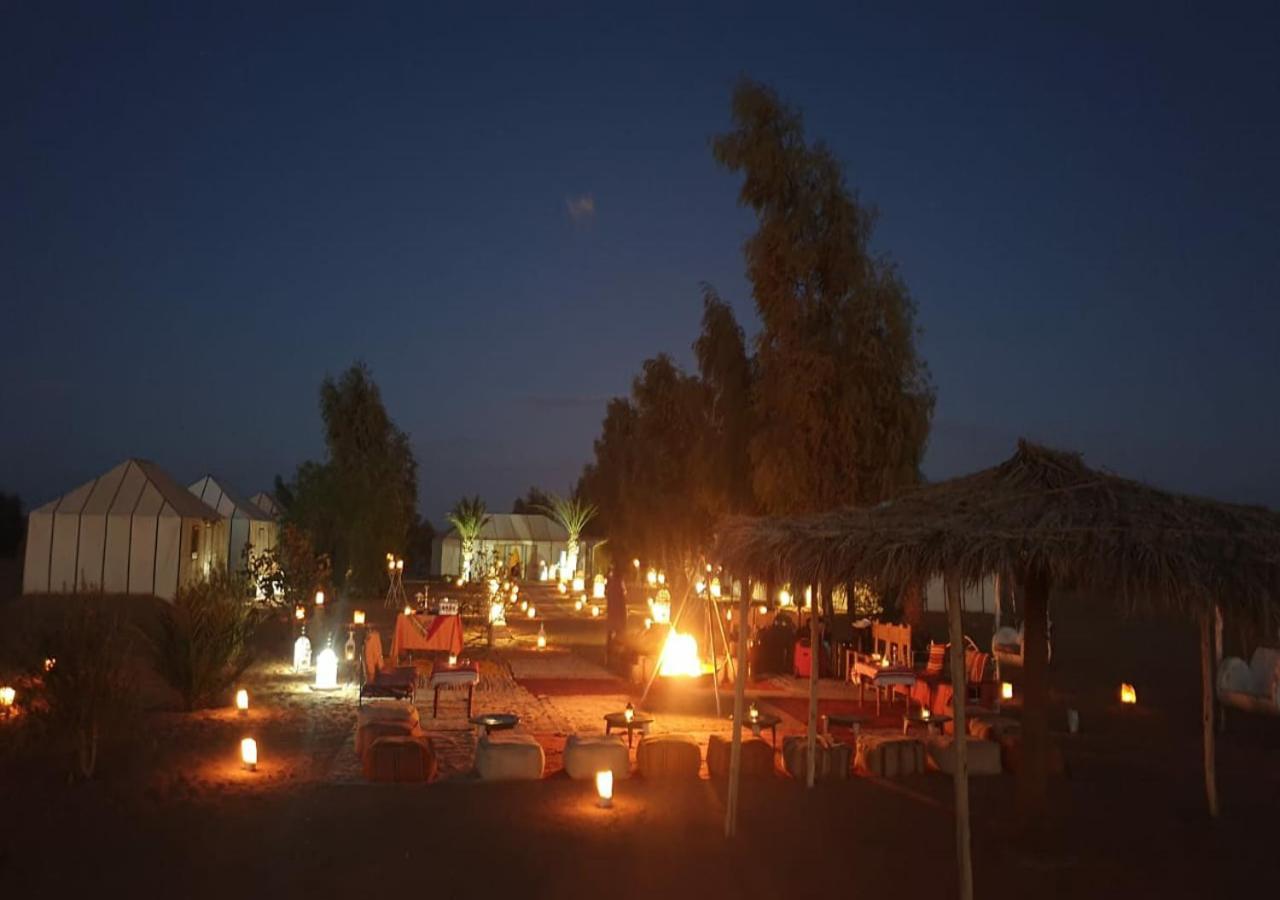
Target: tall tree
842 401
534 502
360 503
574 514
13 524
727 372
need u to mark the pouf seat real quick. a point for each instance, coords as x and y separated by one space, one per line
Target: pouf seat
369 732
983 756
387 711
757 756
668 756
400 759
587 754
509 756
889 755
832 759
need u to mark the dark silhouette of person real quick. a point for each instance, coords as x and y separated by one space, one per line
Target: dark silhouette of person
615 598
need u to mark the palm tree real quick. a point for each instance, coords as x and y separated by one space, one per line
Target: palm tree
468 518
573 514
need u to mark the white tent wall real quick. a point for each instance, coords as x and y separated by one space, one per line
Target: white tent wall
247 526
35 570
980 597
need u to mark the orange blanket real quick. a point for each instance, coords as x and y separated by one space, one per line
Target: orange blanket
424 632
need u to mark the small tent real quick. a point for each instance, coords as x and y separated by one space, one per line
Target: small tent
249 529
532 538
132 530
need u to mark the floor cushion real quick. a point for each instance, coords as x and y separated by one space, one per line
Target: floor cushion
369 732
668 756
757 756
832 758
509 756
400 759
587 754
889 755
387 711
984 756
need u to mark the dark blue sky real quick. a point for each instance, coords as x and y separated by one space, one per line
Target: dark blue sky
201 214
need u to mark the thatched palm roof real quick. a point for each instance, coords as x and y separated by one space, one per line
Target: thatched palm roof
1041 508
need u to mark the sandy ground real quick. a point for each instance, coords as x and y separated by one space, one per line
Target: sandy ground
180 815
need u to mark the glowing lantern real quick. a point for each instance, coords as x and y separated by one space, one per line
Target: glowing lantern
524 604
577 604
542 637
808 596
884 662
648 623
629 713
715 588
249 754
349 649
326 670
763 609
461 581
532 611
662 607
604 787
595 611
1128 694
636 563
319 598
680 656
784 597
542 570
49 663
242 700
754 713
399 565
299 613
924 713
515 590
301 653
7 696
579 583
453 660
597 587
497 614
391 563
493 585
357 617
662 578
652 577
699 587
708 568
408 610
1006 690
564 588
728 615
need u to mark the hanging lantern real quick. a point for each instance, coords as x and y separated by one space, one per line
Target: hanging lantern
326 670
242 700
319 598
542 637
1006 690
604 787
302 653
1128 694
357 617
249 754
349 649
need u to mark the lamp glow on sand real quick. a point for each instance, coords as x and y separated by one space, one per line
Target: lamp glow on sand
249 754
604 788
326 671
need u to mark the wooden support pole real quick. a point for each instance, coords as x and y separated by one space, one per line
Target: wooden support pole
814 656
739 710
1207 630
961 776
1033 775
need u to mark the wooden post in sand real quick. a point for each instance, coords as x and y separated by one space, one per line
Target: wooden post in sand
814 656
739 705
961 775
1207 630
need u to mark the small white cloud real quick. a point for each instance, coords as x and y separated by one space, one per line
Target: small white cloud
581 208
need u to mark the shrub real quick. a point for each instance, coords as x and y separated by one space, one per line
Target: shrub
204 641
90 696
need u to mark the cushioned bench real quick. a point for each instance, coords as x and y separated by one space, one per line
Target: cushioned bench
757 756
587 754
668 756
509 756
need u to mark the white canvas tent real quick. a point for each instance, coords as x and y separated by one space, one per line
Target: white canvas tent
534 538
132 530
267 503
247 525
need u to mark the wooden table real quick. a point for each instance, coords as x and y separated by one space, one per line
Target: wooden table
619 720
467 676
761 721
865 670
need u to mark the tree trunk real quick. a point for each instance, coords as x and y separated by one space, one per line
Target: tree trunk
913 605
815 660
961 776
1207 630
1033 776
739 710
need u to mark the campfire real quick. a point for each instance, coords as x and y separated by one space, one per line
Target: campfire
680 656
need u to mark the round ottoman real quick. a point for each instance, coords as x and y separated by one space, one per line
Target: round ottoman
508 756
668 756
587 754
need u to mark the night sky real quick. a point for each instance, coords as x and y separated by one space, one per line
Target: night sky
202 214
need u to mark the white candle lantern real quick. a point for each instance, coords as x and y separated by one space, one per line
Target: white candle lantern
249 754
604 787
242 700
327 670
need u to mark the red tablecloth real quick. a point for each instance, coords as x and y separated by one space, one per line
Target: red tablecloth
424 632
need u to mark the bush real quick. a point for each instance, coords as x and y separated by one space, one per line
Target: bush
204 642
90 696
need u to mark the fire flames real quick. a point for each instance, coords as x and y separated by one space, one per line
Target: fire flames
680 656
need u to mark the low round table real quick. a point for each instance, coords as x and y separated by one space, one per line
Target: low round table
933 723
761 721
495 722
619 720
